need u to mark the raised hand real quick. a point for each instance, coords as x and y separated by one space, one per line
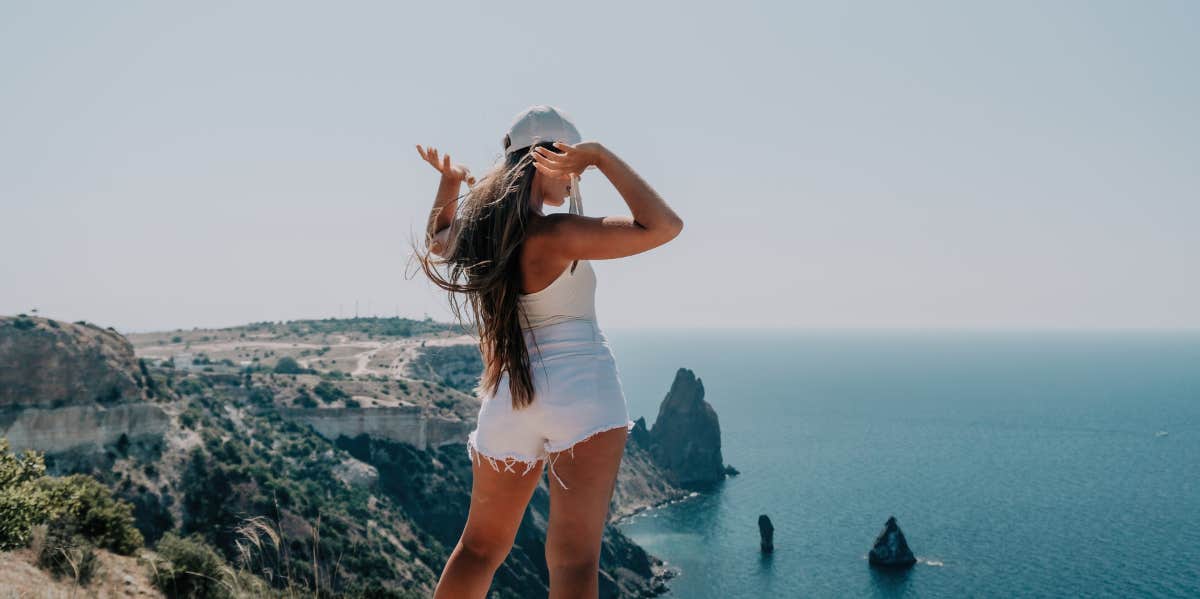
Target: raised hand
445 166
573 159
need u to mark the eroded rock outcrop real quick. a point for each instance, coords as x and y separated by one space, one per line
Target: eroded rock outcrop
766 534
48 364
67 387
685 440
891 548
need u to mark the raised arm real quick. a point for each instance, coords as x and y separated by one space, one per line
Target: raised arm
578 237
439 229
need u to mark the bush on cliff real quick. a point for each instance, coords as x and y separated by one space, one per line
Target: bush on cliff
22 502
188 567
77 503
63 519
83 506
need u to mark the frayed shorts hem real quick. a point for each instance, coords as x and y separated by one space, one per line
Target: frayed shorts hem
511 459
508 459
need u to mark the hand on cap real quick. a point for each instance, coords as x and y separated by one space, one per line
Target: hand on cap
573 159
445 167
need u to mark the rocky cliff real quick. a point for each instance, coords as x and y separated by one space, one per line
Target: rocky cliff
406 424
47 364
66 387
391 470
685 441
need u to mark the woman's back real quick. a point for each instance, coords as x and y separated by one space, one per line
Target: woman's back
571 296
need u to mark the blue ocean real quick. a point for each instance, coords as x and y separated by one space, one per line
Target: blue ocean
1018 464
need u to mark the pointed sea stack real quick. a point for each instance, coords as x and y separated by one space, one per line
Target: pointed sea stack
685 440
766 534
891 549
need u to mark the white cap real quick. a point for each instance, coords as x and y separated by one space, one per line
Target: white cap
540 123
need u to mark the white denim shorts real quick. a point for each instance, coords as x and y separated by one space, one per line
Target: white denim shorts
577 394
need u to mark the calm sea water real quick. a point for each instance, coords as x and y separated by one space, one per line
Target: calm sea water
1017 464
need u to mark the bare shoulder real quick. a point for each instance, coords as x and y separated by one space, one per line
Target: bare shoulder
548 235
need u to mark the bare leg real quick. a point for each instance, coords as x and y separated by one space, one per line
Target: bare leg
498 500
579 512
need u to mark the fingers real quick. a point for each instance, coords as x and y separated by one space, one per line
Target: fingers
558 165
544 155
443 163
551 171
435 160
546 152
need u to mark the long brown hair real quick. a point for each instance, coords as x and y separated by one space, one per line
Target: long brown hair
483 265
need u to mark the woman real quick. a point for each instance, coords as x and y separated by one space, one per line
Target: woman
550 385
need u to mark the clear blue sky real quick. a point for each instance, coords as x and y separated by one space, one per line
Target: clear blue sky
924 164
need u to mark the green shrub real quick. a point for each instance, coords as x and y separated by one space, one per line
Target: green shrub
190 386
22 502
189 567
305 400
64 519
329 393
82 505
288 365
262 396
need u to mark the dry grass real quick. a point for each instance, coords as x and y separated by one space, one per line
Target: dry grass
119 576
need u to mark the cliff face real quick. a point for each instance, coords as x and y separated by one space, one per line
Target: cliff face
406 424
69 428
71 386
641 484
49 364
685 441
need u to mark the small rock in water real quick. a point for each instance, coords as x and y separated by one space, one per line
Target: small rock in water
766 533
891 549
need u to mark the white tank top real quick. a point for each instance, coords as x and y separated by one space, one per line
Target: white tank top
572 296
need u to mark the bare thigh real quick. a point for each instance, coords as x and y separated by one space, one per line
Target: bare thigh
498 501
579 512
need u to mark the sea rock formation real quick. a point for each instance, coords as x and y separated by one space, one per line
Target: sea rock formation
891 548
685 440
72 387
766 534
